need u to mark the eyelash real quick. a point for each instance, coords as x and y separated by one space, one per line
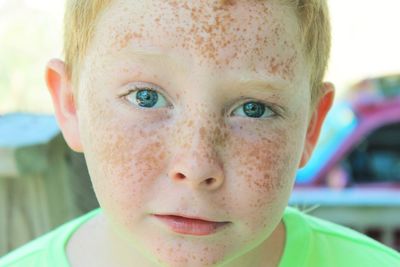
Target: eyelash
143 88
272 109
269 108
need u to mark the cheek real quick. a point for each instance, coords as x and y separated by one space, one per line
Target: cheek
123 158
263 169
264 164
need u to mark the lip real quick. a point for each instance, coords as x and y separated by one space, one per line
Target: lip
191 225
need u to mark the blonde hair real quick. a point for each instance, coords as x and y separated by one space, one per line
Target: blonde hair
80 20
313 16
315 28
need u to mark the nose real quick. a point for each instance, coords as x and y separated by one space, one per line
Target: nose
197 172
198 165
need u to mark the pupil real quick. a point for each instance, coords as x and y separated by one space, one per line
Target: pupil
146 98
253 109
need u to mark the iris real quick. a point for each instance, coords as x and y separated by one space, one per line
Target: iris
254 109
146 98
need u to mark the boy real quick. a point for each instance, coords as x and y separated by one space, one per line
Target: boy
194 117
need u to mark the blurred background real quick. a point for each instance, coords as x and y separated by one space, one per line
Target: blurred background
354 179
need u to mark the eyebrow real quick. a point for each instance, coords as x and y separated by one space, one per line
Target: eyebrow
267 84
148 52
263 81
157 55
258 81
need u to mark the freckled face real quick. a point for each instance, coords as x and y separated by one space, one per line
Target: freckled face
172 120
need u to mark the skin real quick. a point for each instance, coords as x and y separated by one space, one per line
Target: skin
195 155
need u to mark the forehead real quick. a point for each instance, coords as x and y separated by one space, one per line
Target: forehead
257 35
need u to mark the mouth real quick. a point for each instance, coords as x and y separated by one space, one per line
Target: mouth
191 225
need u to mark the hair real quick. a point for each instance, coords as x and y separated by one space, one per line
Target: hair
81 18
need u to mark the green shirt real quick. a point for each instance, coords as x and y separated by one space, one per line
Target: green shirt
310 242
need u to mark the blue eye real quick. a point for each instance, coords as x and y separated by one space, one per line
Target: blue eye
254 109
146 98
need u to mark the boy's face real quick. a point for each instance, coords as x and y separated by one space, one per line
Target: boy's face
195 147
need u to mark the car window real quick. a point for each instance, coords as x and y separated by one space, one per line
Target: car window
377 157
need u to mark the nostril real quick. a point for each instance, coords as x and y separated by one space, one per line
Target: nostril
209 181
180 176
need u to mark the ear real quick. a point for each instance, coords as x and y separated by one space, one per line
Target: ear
63 98
323 105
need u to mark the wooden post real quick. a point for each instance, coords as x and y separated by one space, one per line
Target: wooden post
41 187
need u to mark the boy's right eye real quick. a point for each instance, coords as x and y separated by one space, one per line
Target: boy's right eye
146 97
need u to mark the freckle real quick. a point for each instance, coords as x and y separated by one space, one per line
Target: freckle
162 156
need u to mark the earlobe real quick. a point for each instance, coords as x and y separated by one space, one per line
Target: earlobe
63 98
319 114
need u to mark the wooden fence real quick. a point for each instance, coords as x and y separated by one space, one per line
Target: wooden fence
41 187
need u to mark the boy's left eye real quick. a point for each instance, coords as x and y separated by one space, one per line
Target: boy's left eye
254 109
147 98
